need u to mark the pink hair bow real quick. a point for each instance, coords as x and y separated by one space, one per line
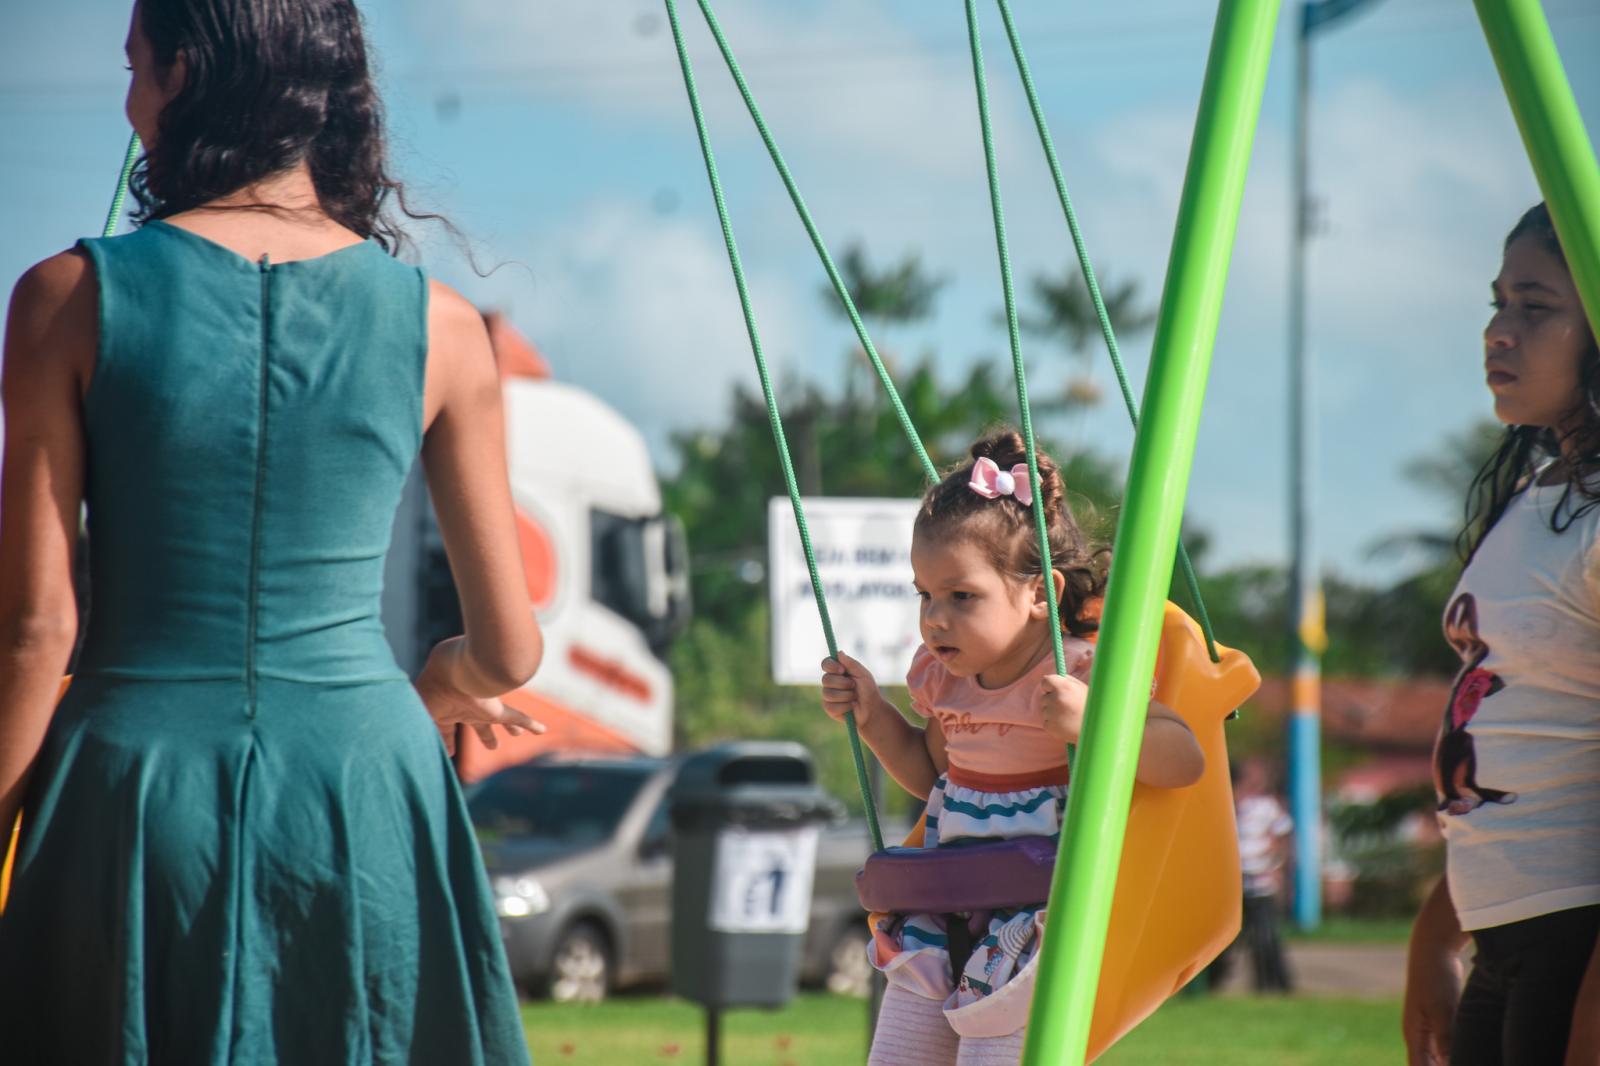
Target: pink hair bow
990 482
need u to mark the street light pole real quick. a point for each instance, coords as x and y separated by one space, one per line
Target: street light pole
1306 618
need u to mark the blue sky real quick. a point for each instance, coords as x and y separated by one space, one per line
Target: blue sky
557 137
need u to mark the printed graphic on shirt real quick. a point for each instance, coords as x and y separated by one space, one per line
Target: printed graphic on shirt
1455 761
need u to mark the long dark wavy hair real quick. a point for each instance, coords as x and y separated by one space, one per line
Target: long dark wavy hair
1510 471
267 84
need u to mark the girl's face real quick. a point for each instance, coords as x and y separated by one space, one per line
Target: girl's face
975 620
1536 341
151 87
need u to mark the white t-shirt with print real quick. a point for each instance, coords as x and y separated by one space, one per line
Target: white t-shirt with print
1518 757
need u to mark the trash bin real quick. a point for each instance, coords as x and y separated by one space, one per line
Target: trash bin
745 820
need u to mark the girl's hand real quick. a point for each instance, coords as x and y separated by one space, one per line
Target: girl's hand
449 707
1061 703
848 686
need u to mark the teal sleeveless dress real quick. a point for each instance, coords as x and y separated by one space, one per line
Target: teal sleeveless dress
243 842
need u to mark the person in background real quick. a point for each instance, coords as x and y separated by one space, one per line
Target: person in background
1265 830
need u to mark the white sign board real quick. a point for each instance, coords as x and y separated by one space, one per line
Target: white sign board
863 550
761 880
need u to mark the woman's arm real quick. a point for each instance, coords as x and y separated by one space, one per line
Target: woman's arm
51 336
1433 979
464 458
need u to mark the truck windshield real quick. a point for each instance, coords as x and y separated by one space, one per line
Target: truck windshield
578 804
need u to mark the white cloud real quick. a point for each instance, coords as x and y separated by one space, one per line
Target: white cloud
643 312
839 75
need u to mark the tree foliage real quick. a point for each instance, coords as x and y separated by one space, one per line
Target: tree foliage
1064 311
903 292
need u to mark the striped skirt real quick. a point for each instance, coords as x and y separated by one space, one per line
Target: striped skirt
991 997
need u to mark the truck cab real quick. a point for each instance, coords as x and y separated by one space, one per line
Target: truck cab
606 569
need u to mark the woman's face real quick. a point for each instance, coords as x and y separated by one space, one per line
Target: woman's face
152 87
1536 341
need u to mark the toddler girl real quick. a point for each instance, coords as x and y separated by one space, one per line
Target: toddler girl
992 758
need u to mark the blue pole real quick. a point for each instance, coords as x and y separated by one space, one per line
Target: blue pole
1306 618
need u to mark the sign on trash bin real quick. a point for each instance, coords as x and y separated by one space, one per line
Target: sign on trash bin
762 882
863 551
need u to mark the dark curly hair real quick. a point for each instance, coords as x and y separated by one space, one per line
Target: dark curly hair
1004 528
267 84
1523 448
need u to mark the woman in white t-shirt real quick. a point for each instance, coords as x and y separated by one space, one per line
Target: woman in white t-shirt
1517 763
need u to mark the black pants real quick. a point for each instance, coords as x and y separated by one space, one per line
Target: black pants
1516 1009
1260 933
1259 936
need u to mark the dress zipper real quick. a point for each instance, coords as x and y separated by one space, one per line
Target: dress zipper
255 523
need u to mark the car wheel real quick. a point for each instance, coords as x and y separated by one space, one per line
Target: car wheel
580 966
849 970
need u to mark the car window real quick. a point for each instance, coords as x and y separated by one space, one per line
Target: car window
578 804
657 833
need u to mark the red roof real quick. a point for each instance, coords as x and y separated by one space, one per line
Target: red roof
1391 714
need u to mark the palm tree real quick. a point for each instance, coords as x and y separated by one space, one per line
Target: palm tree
900 293
1064 313
1446 476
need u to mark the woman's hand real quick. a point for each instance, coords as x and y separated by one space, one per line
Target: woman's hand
848 686
1433 980
1061 703
1583 1044
449 706
1432 991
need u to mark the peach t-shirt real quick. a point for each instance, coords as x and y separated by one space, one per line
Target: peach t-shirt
994 732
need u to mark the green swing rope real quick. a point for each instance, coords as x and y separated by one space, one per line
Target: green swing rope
839 287
1041 524
866 342
772 405
1107 331
114 216
1048 144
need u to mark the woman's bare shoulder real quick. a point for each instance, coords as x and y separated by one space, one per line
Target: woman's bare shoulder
452 317
52 284
54 311
461 367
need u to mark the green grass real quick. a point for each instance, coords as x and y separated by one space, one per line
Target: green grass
823 1030
1340 930
636 1030
1264 1032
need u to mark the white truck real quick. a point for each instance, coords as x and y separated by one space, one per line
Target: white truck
607 572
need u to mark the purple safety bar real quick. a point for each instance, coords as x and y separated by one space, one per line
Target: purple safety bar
970 877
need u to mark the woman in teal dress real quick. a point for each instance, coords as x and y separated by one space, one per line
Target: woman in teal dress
242 838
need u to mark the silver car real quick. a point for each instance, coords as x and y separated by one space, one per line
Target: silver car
579 855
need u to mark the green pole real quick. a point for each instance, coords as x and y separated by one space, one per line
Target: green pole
1552 130
1147 535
